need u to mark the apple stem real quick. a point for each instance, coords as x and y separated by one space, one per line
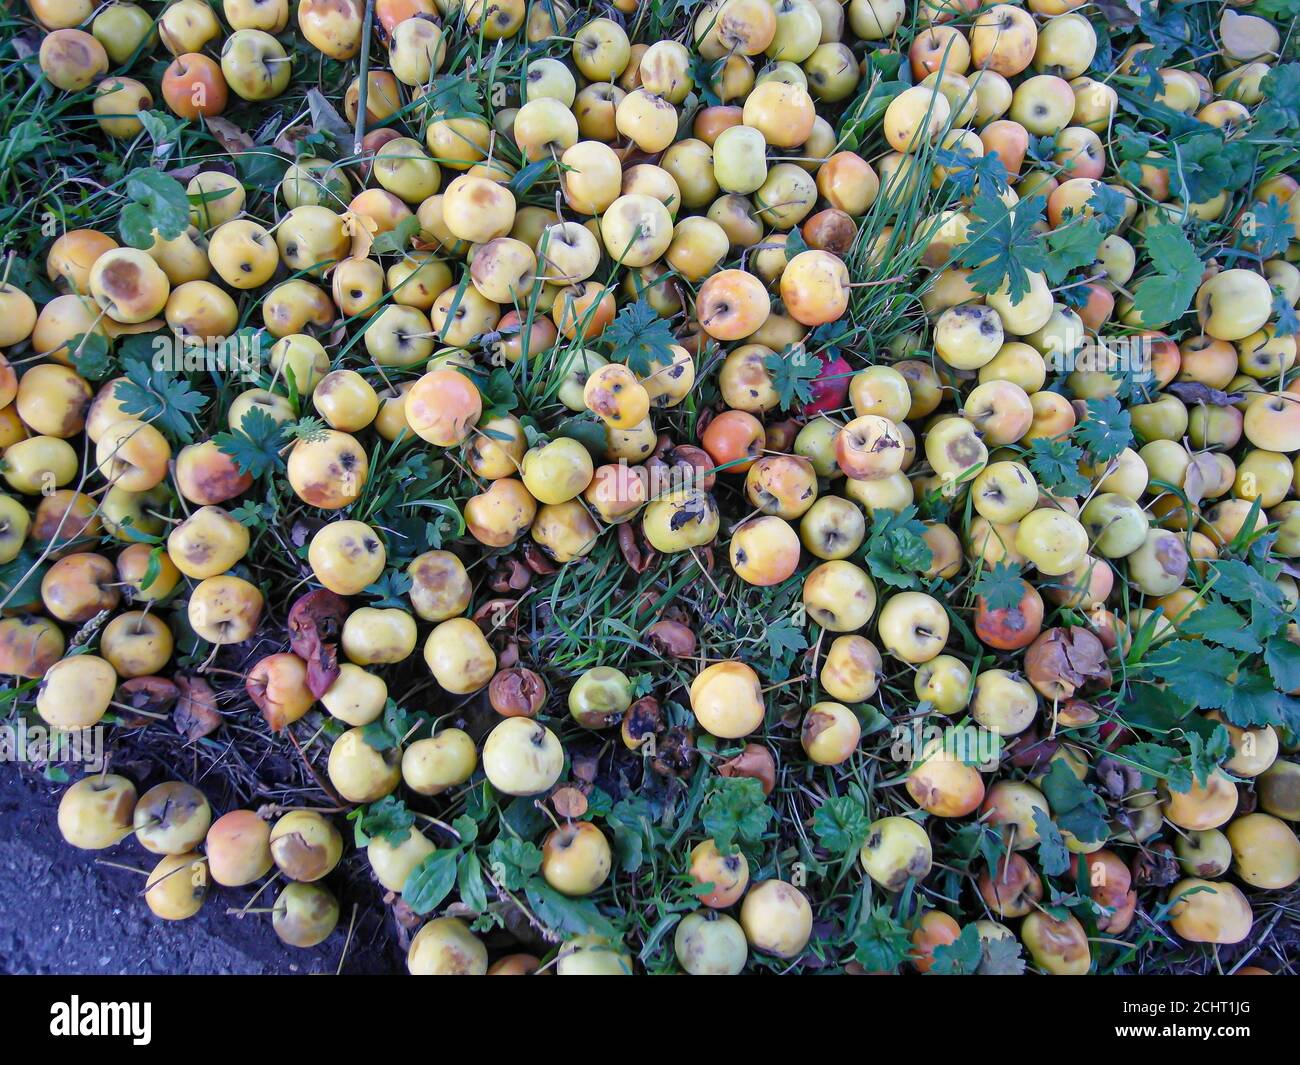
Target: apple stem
122 865
439 824
133 710
547 811
707 575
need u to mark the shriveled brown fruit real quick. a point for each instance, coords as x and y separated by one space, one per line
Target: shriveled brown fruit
1063 660
643 719
637 553
315 621
675 753
517 692
1155 866
672 638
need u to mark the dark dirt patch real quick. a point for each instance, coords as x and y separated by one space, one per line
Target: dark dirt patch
61 912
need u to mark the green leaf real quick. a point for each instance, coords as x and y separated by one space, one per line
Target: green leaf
1280 10
1252 701
162 398
453 96
398 239
588 430
1205 757
158 202
896 551
388 818
961 957
431 881
253 515
390 589
513 861
528 176
1206 165
969 172
1001 585
735 808
640 338
1053 855
1195 673
1054 463
977 840
20 578
563 914
784 640
1165 296
1271 227
1077 808
1220 623
1260 593
387 731
90 355
1071 246
1281 107
841 824
793 373
1002 957
1283 658
255 445
499 392
1106 429
880 943
1004 248
469 883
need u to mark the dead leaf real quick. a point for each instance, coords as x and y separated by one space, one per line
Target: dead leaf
325 117
1202 472
756 762
288 139
195 715
229 136
362 230
1195 392
153 695
569 802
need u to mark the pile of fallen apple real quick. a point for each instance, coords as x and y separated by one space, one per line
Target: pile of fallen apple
745 180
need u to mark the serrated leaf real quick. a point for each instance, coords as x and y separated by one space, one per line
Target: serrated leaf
841 824
1053 855
1001 585
639 338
